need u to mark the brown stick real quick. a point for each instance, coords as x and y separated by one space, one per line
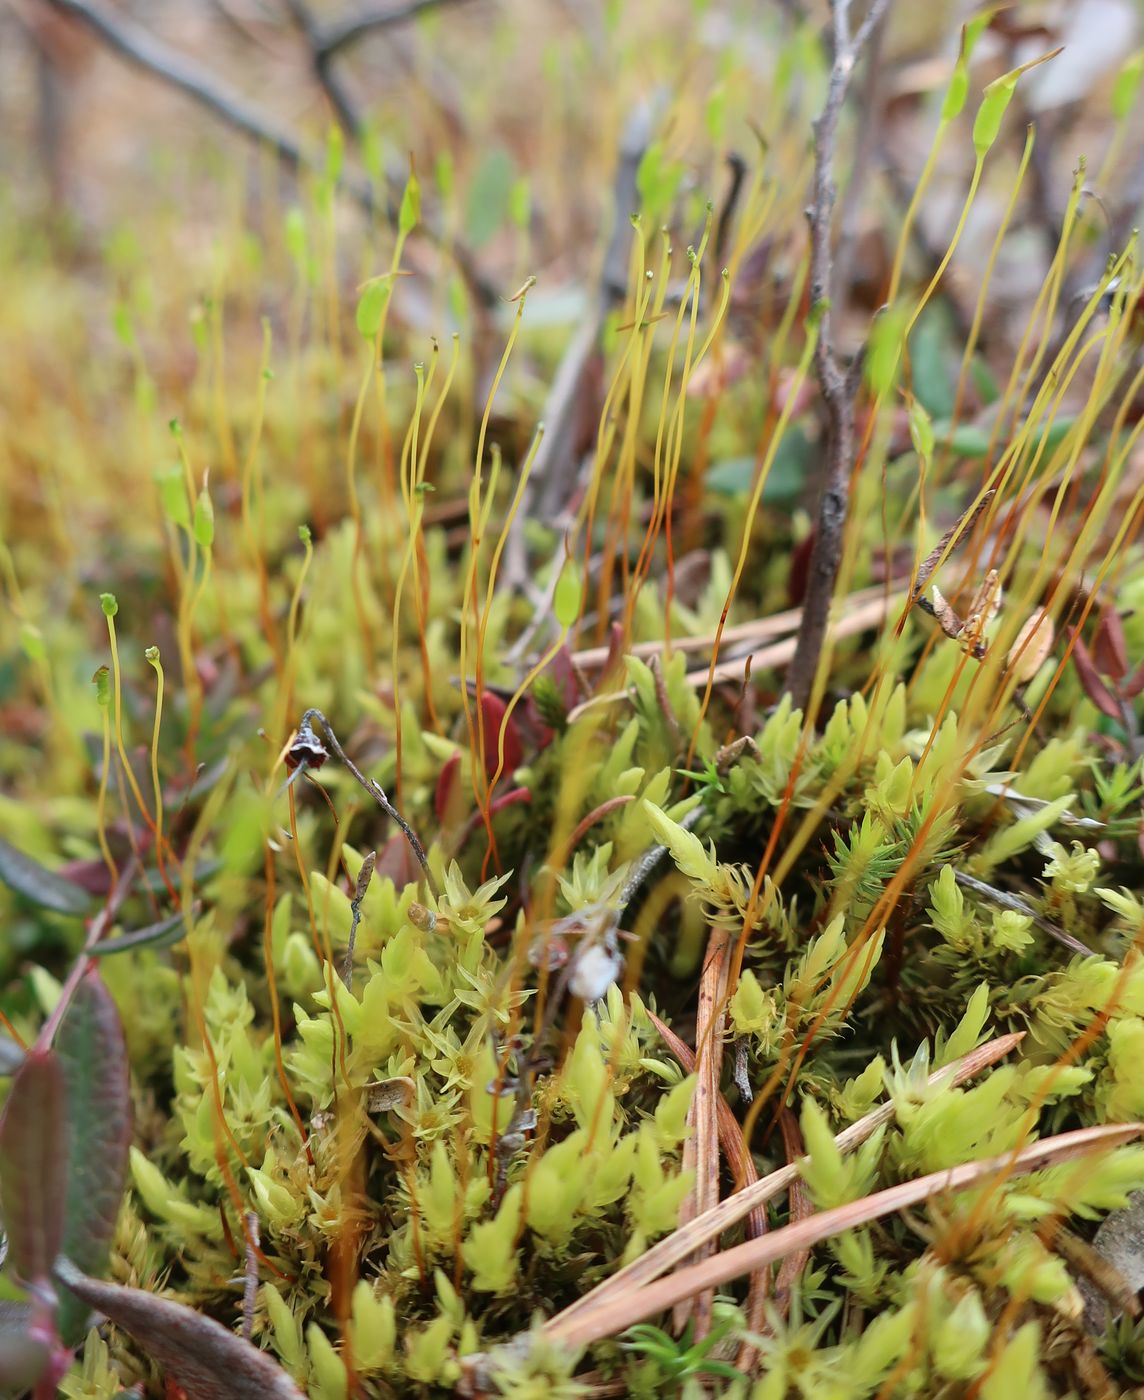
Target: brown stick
638 1303
701 1150
731 1210
837 383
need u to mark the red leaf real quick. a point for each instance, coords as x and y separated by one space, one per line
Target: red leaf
1091 684
33 1165
448 791
520 794
493 709
799 571
93 1057
1109 649
208 1361
1134 684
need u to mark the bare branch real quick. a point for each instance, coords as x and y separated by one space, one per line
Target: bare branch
342 33
141 48
320 60
833 378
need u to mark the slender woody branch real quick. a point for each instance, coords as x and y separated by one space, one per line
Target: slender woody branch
836 381
341 33
136 44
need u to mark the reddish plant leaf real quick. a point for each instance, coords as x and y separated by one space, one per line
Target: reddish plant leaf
1109 648
520 794
23 1355
33 1165
493 709
445 798
1091 684
207 1360
1134 684
93 1057
40 885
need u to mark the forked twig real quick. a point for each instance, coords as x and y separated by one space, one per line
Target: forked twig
308 751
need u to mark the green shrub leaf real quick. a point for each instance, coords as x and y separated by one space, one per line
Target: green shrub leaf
33 1165
93 1056
42 886
206 1358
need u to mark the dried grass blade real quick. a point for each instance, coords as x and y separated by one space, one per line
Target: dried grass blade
640 1302
730 1211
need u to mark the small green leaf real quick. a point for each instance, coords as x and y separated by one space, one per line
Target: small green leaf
33 1165
921 430
294 235
163 934
204 520
520 203
370 307
172 489
785 482
1127 85
93 1056
884 352
410 212
30 879
487 205
567 597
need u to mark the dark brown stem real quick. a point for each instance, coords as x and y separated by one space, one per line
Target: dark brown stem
836 380
141 48
375 790
342 33
321 61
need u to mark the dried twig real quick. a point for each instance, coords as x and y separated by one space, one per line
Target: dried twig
1018 906
837 382
363 879
745 1172
250 1280
639 1303
324 70
136 44
307 751
141 48
732 1209
701 1149
340 34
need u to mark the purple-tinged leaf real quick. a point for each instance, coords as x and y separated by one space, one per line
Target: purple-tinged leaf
23 1356
33 1165
93 1056
1091 684
1134 684
163 934
205 1358
1110 646
11 1055
40 885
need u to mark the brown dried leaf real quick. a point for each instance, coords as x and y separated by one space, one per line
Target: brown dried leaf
1109 647
635 1304
1032 646
1091 683
207 1360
